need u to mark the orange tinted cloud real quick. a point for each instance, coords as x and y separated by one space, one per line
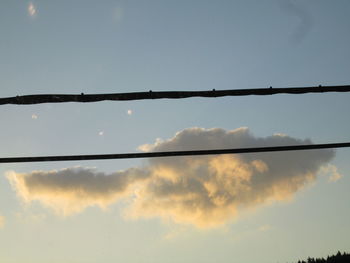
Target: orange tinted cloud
71 190
205 191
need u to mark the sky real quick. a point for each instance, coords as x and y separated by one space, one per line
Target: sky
267 207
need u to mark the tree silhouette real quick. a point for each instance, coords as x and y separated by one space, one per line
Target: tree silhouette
338 258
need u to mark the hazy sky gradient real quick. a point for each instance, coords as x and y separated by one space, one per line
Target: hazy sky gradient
125 46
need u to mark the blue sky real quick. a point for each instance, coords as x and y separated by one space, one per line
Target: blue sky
127 46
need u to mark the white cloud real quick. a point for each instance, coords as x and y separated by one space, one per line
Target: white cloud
129 112
32 10
204 191
101 133
149 147
335 177
332 172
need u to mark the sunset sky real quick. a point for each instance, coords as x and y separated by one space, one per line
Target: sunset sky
267 207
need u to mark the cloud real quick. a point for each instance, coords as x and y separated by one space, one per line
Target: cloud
332 172
335 177
71 190
211 190
2 221
31 10
204 191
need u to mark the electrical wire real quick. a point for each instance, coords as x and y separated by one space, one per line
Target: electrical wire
60 98
172 153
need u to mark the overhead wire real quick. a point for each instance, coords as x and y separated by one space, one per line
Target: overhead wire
60 98
172 153
151 95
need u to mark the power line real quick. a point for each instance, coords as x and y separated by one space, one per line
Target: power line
171 153
59 98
